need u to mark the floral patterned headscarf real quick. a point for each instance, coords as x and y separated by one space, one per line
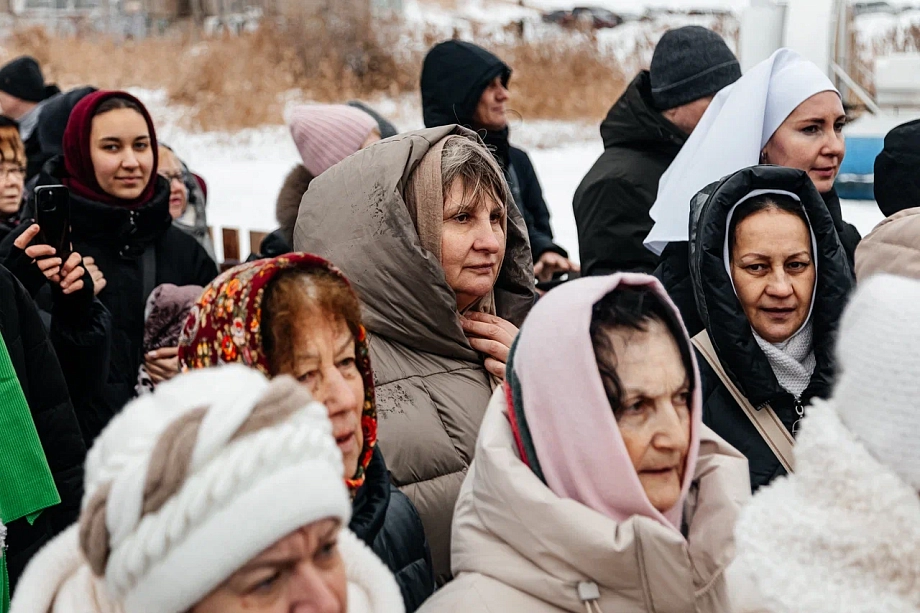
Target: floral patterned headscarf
225 327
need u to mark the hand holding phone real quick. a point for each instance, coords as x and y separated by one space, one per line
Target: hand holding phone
52 213
67 274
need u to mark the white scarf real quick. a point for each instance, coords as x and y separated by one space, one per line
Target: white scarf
731 135
793 360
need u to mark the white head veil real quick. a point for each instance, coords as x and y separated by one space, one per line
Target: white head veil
731 135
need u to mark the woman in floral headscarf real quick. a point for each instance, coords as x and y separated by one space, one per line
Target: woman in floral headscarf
297 315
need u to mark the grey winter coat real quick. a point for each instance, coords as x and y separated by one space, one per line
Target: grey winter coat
432 388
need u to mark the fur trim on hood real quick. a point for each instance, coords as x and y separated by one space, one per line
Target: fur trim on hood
288 203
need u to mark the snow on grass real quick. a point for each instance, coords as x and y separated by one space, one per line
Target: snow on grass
245 170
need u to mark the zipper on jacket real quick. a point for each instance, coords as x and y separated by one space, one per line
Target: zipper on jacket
800 412
589 594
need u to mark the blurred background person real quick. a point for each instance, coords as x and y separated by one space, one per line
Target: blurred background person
12 175
465 84
187 201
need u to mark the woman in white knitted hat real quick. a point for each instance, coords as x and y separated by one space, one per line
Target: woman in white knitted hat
221 491
785 112
842 535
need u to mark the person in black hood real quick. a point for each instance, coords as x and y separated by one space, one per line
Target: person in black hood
464 84
46 139
897 184
23 92
119 214
643 133
770 281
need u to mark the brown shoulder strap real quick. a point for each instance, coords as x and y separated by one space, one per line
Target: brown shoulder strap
768 424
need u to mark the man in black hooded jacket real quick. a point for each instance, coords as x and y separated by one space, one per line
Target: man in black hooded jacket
463 83
643 133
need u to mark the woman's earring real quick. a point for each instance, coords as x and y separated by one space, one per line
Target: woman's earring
763 157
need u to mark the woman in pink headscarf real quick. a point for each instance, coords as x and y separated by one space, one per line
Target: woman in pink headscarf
596 487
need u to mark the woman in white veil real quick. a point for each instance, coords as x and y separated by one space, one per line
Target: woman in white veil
784 111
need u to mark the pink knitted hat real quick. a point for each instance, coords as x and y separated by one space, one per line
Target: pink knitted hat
326 134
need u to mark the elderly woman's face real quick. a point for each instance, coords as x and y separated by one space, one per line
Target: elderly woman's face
324 361
472 244
171 169
654 415
811 139
773 272
302 572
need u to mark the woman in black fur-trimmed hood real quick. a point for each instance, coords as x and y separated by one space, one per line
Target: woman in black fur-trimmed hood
770 280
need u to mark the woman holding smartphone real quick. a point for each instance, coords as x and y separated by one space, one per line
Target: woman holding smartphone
120 223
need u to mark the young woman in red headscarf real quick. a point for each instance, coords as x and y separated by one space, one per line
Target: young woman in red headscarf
120 222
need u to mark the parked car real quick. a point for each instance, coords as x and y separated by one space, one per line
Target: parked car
589 16
865 8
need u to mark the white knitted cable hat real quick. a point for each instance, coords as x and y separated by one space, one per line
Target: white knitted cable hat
189 483
878 384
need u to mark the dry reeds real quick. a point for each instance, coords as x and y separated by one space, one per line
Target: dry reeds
233 82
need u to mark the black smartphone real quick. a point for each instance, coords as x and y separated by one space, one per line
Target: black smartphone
52 213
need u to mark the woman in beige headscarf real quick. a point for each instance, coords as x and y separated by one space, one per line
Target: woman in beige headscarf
424 227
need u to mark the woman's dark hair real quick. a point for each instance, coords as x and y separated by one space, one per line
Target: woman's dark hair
113 104
764 202
631 308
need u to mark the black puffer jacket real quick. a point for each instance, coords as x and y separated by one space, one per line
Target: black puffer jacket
721 313
46 393
385 519
613 201
454 75
117 239
674 271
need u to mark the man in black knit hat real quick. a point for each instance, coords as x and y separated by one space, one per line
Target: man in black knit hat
643 133
22 90
463 83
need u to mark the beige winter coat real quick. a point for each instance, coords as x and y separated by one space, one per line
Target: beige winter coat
893 247
432 388
519 548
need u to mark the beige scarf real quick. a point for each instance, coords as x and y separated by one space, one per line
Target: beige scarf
425 201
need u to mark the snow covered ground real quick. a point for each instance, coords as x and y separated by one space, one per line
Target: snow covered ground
245 170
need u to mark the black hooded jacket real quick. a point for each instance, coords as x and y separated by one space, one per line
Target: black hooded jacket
454 76
117 239
387 521
722 315
613 201
46 140
45 388
674 273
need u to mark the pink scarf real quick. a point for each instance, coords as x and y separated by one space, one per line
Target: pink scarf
574 432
